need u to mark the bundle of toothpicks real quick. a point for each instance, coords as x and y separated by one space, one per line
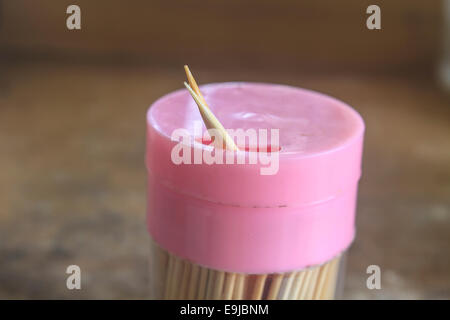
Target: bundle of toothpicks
172 277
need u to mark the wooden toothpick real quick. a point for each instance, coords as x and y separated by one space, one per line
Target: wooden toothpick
208 117
194 85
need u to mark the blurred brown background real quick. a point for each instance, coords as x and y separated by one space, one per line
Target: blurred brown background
72 128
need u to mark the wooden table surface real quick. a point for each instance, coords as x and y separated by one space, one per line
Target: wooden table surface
73 188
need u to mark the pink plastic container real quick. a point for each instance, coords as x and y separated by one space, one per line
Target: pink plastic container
227 231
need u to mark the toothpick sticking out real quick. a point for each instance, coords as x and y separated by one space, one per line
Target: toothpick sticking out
211 121
208 117
194 85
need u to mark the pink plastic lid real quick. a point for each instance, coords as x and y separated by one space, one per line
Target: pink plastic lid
233 218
